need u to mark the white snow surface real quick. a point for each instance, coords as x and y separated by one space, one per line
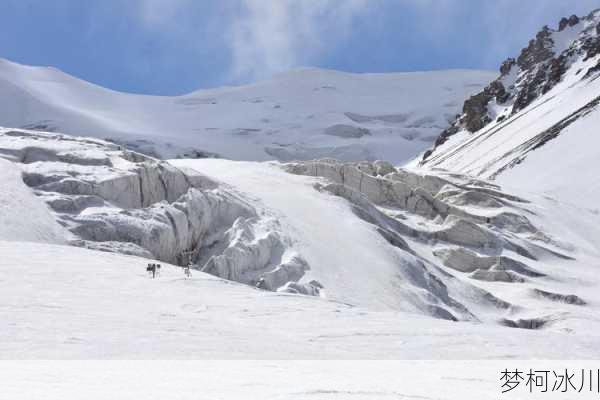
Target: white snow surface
566 167
61 302
24 216
337 245
303 114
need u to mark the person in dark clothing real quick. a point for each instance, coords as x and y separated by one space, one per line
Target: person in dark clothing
151 269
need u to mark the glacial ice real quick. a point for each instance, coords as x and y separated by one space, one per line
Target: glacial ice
112 199
447 237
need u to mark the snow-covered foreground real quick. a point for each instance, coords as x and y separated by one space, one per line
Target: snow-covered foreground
65 302
302 114
289 379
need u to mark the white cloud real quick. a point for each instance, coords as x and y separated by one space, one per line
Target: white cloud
272 36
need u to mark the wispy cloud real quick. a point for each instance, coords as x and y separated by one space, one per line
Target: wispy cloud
185 44
271 36
161 13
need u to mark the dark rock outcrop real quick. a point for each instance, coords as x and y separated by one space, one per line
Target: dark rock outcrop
538 50
507 65
564 22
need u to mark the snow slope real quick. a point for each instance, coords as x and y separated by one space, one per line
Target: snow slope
24 216
302 114
567 167
61 302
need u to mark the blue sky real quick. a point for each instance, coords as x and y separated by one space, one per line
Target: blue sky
171 47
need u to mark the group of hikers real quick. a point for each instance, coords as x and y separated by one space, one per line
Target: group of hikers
154 270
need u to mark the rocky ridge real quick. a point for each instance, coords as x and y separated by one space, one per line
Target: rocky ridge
539 67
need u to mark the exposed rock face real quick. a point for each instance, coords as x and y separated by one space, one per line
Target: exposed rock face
475 108
564 22
112 199
538 50
507 65
539 67
475 111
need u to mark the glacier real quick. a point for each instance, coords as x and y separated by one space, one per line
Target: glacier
380 241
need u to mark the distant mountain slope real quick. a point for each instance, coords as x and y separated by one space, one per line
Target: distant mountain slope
536 125
303 114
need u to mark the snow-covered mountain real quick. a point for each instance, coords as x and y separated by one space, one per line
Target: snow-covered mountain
536 126
303 114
